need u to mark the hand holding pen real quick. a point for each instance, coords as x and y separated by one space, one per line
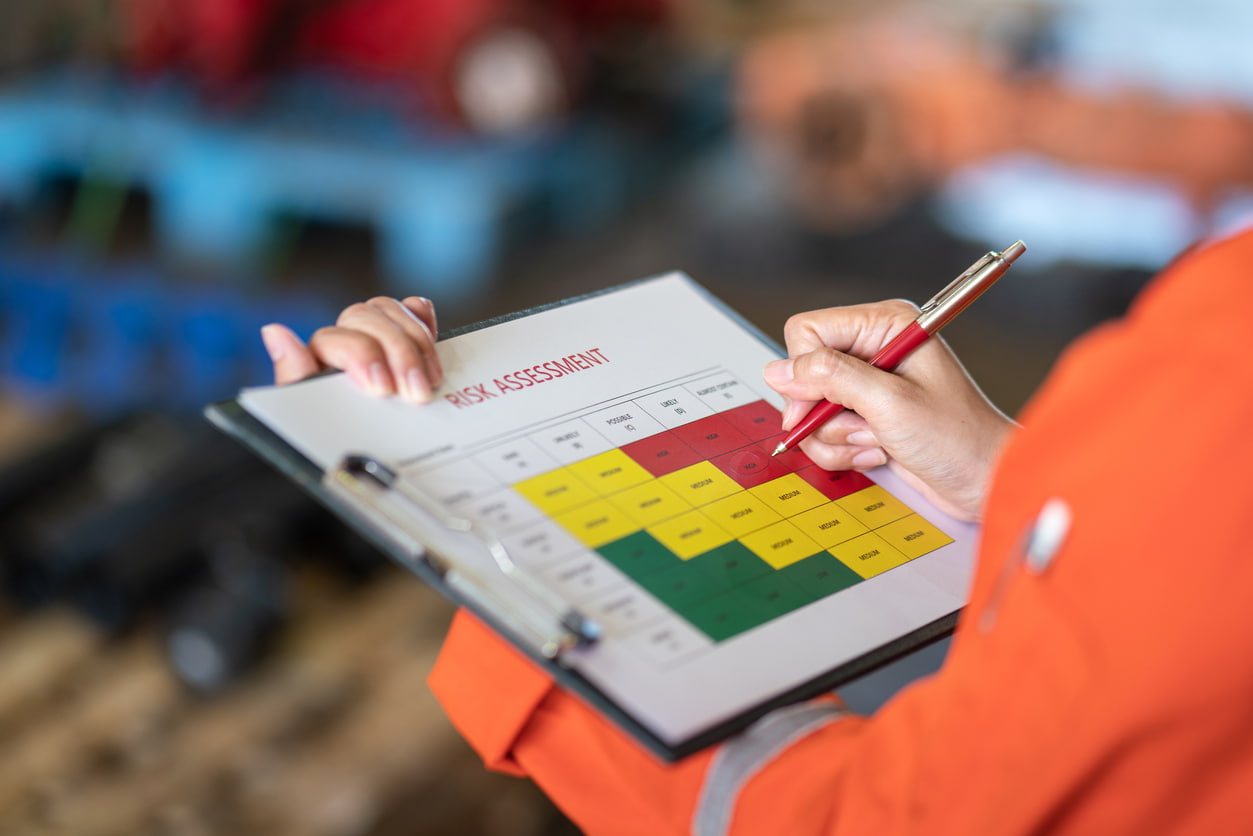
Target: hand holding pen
931 423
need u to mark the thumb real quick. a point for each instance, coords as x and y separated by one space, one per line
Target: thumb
292 359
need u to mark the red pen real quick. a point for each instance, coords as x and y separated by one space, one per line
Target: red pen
933 316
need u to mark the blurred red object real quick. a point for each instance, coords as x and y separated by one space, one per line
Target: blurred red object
490 65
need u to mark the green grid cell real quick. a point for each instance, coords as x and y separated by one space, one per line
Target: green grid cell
728 614
683 586
822 573
778 594
734 562
639 555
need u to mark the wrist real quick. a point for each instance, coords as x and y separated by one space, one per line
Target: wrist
986 455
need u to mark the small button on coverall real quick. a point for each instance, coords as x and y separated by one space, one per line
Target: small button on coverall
1100 680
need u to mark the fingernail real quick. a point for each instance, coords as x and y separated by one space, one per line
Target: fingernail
867 459
379 384
272 339
779 371
863 438
416 390
791 414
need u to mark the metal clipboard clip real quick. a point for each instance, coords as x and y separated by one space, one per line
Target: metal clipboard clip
551 621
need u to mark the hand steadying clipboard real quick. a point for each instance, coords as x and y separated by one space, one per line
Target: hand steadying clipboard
594 480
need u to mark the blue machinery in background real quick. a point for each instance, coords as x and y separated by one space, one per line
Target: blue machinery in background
120 339
113 337
439 204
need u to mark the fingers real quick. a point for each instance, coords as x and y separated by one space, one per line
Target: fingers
843 456
826 374
386 346
292 359
424 310
860 330
817 371
845 443
926 420
407 336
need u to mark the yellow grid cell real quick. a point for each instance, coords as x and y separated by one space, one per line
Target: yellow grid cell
700 483
913 536
690 534
741 513
874 506
650 503
556 491
610 472
868 555
781 544
789 495
829 524
597 523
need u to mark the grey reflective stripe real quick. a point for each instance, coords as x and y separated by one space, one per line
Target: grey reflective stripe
740 758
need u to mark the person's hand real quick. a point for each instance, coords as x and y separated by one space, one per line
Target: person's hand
387 346
927 420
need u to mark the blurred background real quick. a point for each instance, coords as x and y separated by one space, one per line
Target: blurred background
187 644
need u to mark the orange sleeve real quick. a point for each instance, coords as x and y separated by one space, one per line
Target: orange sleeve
513 716
852 775
488 689
1058 707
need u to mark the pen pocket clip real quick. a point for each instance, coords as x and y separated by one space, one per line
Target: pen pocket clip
956 285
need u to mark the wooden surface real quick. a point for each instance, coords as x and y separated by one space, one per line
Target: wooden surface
333 733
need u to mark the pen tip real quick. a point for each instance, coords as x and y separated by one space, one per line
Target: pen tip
782 448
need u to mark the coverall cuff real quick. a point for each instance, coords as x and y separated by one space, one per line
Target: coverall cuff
488 689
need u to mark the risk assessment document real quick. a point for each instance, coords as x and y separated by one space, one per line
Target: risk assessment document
618 448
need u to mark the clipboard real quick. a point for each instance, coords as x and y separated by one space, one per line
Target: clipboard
534 492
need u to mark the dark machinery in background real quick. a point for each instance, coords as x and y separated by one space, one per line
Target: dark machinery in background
153 518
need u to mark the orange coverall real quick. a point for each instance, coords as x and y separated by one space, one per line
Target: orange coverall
1100 680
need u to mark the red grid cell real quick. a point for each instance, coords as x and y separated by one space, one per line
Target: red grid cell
757 420
711 436
751 466
835 483
792 459
661 453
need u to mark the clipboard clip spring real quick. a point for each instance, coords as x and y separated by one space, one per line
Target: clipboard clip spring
572 628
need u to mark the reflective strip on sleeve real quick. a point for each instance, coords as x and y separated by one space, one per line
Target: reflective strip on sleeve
740 758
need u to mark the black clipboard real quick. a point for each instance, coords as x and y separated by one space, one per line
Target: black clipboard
568 631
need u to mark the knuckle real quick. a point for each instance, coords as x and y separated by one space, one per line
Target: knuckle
830 435
334 340
820 364
354 311
826 456
406 353
323 334
796 324
900 308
